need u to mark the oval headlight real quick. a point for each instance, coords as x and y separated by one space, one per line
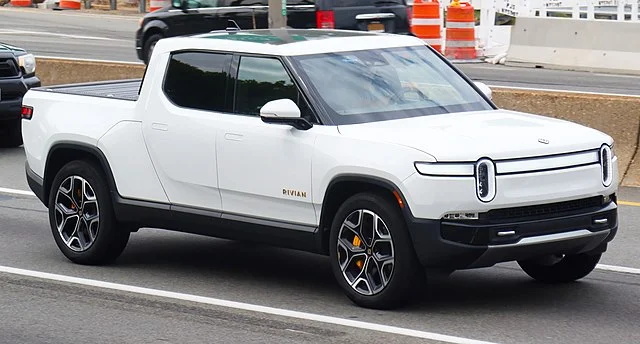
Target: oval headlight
606 165
28 63
485 172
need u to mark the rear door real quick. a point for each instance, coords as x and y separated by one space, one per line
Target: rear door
198 18
248 14
181 132
368 15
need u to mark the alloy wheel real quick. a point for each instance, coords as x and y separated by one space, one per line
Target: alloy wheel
77 214
365 252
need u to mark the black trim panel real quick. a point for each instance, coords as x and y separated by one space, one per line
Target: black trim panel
36 183
216 224
434 251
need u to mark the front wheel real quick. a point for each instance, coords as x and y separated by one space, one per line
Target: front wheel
81 216
149 45
372 255
560 268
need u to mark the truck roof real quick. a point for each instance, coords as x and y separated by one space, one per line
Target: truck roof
287 42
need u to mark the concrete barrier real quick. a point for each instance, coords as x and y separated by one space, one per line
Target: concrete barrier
618 116
578 44
52 71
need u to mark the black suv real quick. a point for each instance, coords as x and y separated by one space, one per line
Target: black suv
187 17
17 75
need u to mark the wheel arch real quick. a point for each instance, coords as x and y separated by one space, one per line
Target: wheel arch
62 153
344 186
153 27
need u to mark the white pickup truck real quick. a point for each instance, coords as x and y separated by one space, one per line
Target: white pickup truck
369 148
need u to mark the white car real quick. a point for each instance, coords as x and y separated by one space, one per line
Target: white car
369 148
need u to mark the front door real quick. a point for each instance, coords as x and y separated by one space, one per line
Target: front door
264 170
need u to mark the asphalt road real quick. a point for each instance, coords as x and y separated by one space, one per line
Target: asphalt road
498 304
111 37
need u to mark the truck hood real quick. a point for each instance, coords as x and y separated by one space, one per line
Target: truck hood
469 136
9 48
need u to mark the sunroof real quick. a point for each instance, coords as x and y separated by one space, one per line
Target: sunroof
281 36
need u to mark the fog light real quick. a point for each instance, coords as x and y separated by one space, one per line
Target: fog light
461 216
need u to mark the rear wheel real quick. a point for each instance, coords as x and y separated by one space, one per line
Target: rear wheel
11 133
372 255
560 268
81 216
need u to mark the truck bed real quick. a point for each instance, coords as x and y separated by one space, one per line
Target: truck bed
119 89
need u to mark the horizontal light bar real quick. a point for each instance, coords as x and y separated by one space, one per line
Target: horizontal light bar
444 169
547 163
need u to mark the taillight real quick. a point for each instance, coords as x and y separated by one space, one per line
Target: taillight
409 15
26 112
325 20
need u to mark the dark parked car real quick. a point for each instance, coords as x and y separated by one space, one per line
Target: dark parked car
187 17
17 75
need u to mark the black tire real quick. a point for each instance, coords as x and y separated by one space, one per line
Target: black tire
111 238
147 50
407 275
11 133
568 269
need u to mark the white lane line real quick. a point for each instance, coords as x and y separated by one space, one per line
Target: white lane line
622 269
82 14
17 192
244 306
565 91
613 268
491 86
55 34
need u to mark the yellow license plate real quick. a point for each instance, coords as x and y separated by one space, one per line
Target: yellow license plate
376 27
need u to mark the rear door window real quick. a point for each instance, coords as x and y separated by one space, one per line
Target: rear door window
198 80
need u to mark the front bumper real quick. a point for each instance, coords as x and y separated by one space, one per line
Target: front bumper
11 92
453 245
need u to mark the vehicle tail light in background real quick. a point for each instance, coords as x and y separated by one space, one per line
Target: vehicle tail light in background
409 15
325 20
26 112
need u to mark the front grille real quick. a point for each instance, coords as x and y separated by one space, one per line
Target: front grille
543 210
8 68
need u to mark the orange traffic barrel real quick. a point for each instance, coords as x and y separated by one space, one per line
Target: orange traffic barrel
21 3
460 43
70 4
425 23
155 5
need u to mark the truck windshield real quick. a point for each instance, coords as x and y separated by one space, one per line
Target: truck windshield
384 84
